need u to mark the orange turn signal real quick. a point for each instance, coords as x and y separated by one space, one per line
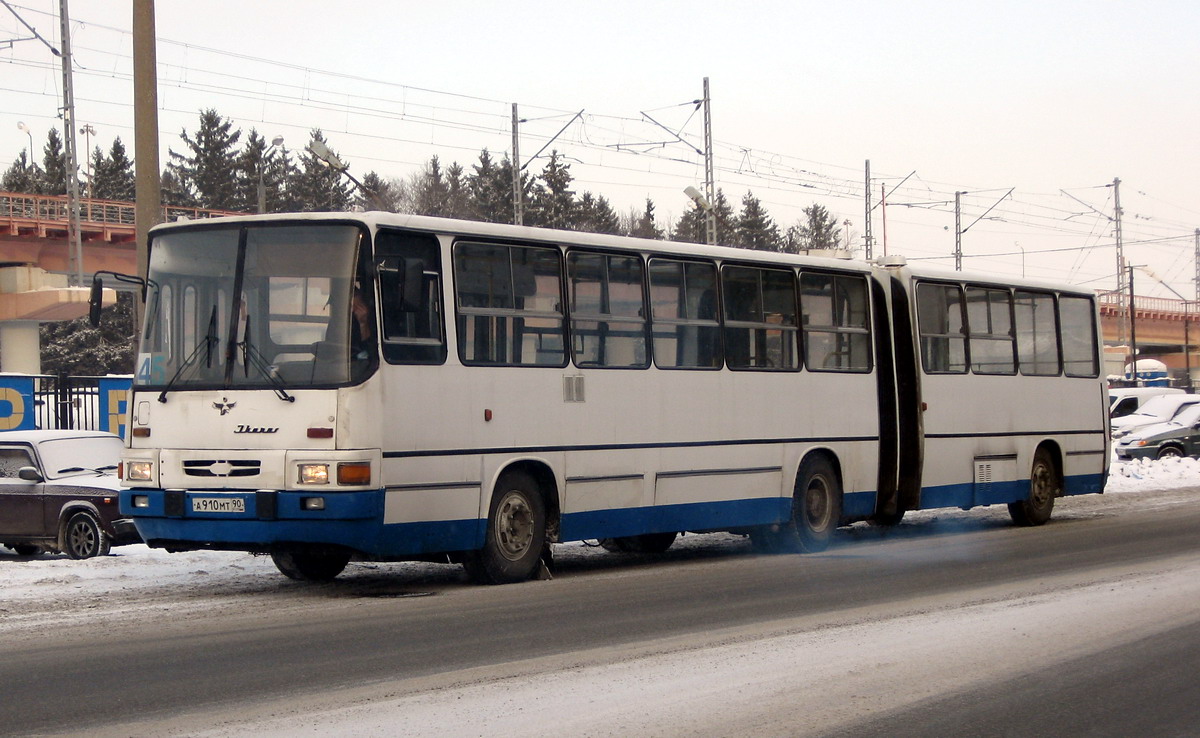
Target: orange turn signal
355 472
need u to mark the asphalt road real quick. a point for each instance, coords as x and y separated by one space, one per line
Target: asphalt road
371 629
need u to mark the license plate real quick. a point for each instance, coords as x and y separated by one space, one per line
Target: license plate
218 505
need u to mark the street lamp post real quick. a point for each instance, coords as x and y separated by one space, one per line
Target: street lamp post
22 127
88 132
326 156
262 164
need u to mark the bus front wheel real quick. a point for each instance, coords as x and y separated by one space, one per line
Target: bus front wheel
316 564
1043 488
816 512
516 533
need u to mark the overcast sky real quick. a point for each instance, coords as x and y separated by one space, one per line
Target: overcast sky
975 97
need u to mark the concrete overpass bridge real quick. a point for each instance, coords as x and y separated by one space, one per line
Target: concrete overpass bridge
35 263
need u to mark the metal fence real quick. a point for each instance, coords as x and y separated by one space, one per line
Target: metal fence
45 401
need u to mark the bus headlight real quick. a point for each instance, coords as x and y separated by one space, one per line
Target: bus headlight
139 471
314 474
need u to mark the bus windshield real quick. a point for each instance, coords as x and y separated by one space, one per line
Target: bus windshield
258 306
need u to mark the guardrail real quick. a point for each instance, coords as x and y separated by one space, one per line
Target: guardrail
1148 304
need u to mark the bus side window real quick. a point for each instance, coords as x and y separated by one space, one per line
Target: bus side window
410 295
608 312
989 319
509 305
1037 334
834 316
760 318
1078 322
940 319
683 311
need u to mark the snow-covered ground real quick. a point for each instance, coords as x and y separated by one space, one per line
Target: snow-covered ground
654 690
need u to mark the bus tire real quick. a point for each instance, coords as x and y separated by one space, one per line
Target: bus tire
516 533
83 537
647 543
1043 488
314 564
816 504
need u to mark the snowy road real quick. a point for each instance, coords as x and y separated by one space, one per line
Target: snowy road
713 641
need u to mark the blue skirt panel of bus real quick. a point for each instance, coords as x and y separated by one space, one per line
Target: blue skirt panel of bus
997 493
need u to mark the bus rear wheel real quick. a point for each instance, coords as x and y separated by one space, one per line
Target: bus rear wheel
314 564
1043 488
516 533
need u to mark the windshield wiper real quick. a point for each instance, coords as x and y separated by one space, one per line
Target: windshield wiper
206 345
98 470
251 355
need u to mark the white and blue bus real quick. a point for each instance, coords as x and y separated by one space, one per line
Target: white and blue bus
321 387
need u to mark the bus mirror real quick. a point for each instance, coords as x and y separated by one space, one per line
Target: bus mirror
95 300
401 282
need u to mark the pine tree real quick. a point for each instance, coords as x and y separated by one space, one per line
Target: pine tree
692 226
458 196
595 215
209 168
489 194
818 229
385 194
552 202
319 188
54 166
77 348
22 176
174 192
112 175
644 225
428 190
755 229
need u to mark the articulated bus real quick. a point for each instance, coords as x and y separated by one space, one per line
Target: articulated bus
322 387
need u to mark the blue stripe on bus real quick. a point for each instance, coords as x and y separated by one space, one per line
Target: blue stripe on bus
353 519
997 493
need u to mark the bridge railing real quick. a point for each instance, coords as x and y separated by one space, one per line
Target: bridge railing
16 206
1113 300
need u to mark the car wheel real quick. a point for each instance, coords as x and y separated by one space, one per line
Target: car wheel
83 537
1169 452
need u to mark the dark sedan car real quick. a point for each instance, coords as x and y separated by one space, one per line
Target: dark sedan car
58 492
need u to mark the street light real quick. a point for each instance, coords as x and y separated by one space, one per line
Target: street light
88 132
22 127
330 159
701 202
262 163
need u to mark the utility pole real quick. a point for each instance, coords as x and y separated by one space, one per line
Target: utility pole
868 239
518 208
148 208
1125 324
74 240
958 231
710 218
1132 330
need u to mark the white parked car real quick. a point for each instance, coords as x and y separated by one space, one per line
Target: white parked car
1124 401
1156 410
